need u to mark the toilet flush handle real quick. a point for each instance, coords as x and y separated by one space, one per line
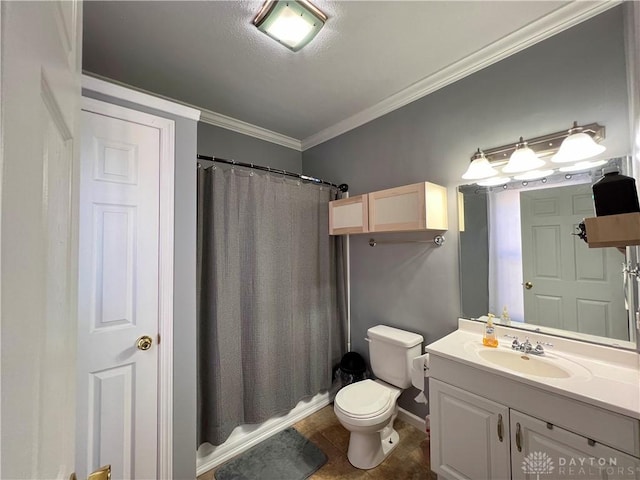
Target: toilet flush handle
367 339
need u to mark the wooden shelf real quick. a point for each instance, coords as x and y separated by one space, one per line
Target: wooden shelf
613 230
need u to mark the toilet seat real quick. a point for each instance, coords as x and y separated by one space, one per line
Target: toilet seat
366 399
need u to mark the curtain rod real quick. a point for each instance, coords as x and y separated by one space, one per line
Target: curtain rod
343 187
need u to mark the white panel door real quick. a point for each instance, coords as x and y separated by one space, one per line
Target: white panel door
469 435
573 287
118 297
40 92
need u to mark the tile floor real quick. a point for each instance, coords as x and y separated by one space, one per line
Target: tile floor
409 461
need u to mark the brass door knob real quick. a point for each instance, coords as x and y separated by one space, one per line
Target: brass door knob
528 285
103 473
144 342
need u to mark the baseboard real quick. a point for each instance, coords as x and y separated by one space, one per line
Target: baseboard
412 419
241 443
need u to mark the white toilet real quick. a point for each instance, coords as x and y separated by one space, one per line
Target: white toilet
368 408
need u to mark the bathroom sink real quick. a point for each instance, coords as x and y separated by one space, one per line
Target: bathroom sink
526 364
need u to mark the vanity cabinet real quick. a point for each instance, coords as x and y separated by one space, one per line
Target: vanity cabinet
469 434
473 437
487 424
410 208
539 447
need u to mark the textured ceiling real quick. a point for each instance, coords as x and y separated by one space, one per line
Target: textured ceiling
209 55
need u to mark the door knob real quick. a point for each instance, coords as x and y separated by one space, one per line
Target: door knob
144 342
528 285
103 473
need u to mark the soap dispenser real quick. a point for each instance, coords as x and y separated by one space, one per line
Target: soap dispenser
505 319
489 339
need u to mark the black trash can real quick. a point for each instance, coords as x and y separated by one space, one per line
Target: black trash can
352 369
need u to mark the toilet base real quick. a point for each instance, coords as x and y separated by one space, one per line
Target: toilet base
368 450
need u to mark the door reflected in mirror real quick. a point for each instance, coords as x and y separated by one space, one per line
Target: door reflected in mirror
520 252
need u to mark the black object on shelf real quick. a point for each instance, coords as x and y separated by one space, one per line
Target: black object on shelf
614 193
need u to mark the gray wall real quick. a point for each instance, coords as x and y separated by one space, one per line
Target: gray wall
577 75
219 142
474 256
184 296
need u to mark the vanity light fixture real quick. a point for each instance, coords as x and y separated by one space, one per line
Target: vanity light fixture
581 166
292 23
494 181
522 159
534 151
479 168
577 146
533 175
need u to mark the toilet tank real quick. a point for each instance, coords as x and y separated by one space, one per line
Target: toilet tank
391 352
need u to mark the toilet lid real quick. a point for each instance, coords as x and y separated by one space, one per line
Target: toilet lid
363 399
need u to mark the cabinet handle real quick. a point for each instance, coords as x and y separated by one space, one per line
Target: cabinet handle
518 437
500 426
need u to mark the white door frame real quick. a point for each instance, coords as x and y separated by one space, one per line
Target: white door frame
166 129
1 172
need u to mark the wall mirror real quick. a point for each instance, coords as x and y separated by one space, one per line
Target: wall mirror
518 250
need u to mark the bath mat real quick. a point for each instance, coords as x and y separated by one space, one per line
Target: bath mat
285 456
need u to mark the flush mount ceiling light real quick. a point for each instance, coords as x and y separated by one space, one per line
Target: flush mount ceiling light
542 148
479 168
577 146
292 23
522 159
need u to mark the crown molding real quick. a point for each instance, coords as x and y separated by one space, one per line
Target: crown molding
249 129
114 88
139 96
541 29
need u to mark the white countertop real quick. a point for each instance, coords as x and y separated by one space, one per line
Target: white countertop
602 376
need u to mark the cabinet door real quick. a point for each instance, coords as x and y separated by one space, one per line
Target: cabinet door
421 206
469 435
349 215
541 449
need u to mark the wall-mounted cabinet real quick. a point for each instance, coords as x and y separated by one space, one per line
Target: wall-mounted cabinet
349 215
421 206
410 208
613 230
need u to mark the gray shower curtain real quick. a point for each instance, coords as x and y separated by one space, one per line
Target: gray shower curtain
271 297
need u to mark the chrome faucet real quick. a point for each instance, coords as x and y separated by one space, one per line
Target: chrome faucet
526 347
539 350
515 345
